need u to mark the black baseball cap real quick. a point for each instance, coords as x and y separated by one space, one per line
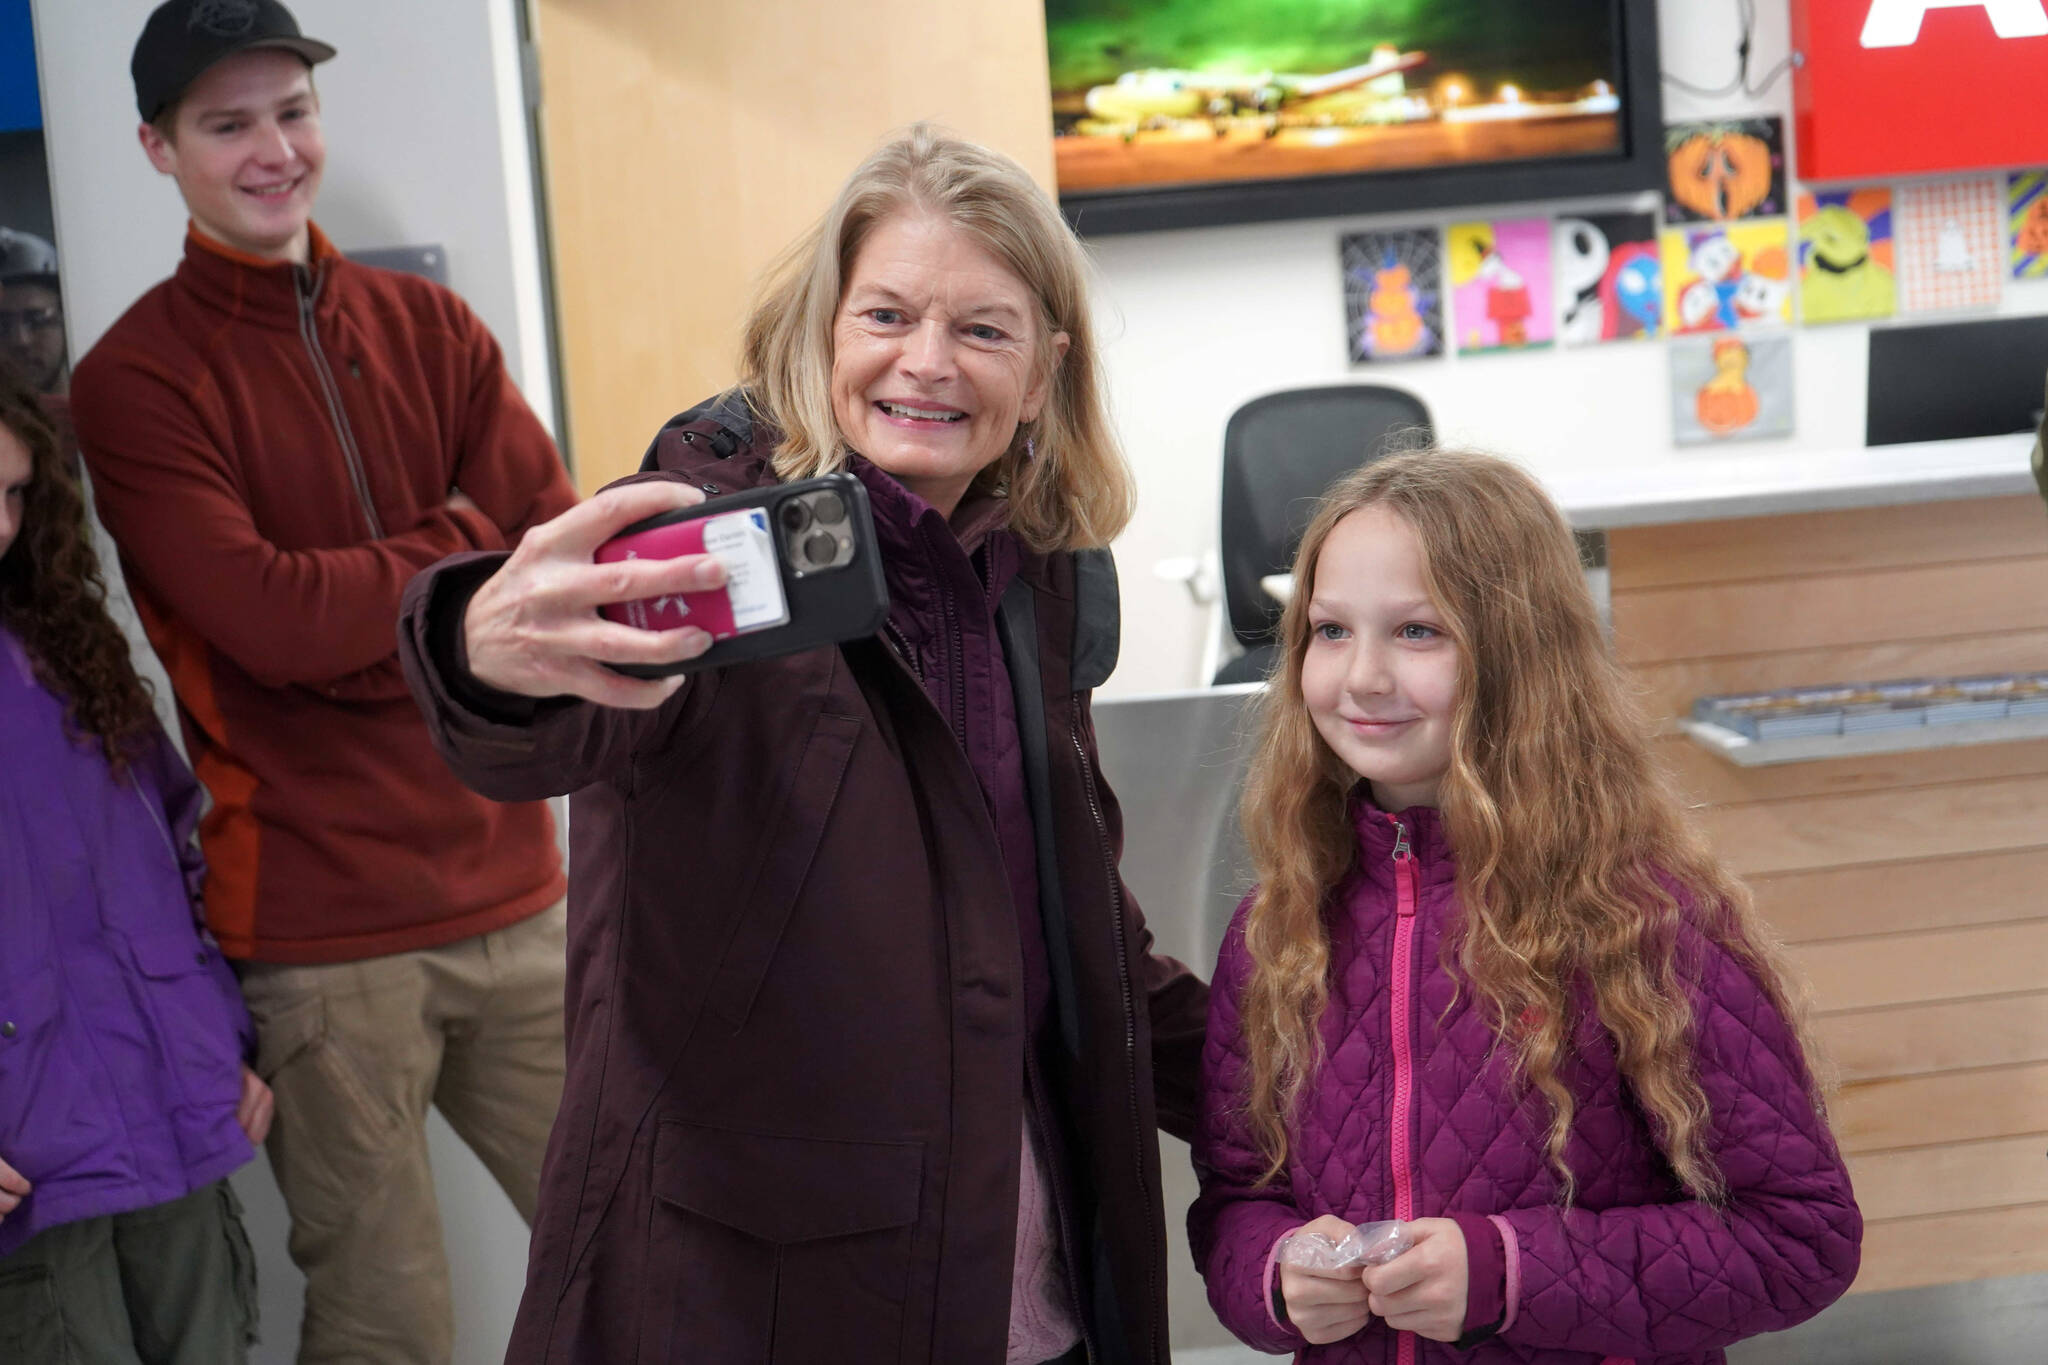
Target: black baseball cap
184 37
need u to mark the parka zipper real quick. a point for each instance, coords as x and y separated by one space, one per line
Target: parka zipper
309 282
904 651
1123 961
1400 1148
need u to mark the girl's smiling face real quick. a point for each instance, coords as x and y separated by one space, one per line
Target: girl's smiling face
1380 676
937 355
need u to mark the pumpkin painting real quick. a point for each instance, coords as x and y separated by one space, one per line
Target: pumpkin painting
1721 171
1727 403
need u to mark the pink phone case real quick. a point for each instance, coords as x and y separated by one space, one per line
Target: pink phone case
712 610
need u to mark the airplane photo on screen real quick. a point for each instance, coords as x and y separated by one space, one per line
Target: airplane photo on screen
1182 92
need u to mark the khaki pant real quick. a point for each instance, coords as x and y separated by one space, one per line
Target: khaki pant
173 1284
355 1052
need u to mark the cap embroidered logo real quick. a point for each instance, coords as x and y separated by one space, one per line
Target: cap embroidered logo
223 18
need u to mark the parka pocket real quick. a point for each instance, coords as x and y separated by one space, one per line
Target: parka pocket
786 1250
72 1124
199 1037
784 855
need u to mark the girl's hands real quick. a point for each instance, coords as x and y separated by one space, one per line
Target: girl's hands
254 1110
1423 1290
532 627
13 1189
1325 1306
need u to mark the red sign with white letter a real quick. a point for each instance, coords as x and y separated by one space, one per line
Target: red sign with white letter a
1898 87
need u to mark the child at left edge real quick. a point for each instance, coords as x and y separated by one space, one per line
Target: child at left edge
1492 984
125 1096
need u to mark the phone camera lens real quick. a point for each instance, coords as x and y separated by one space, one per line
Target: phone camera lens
829 508
795 516
821 548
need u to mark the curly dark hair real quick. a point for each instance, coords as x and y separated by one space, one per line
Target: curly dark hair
53 596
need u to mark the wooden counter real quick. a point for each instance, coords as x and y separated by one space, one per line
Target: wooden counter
1912 886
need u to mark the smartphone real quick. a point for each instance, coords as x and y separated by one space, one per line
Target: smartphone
802 570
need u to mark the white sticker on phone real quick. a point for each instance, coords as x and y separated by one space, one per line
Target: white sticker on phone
753 582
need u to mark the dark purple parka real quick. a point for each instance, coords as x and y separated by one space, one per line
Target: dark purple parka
797 1004
1414 1115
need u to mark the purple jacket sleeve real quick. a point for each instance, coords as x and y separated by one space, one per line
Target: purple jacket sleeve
1235 1222
1684 1277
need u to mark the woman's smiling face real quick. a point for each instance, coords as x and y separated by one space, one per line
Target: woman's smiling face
936 356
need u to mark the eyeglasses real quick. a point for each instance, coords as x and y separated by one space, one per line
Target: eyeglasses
14 320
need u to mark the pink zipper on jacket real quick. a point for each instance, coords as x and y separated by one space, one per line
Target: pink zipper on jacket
1401 1145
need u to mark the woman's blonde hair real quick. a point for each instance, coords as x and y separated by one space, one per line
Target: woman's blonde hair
1576 862
1070 488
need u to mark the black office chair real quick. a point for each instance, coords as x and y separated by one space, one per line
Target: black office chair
1280 453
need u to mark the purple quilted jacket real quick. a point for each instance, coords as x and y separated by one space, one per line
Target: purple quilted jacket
1413 1116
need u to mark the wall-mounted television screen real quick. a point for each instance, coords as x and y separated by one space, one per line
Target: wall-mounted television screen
1182 113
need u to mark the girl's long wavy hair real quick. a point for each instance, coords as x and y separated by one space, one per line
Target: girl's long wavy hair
54 598
1070 487
1576 860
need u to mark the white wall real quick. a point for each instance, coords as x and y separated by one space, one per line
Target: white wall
1201 321
426 144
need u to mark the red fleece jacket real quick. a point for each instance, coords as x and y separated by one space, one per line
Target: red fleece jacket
272 448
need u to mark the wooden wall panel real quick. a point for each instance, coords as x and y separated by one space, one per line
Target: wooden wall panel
1832 542
1949 1035
1948 1106
1952 1177
1884 898
1939 964
1913 887
1931 603
1905 1253
1711 780
686 144
1875 827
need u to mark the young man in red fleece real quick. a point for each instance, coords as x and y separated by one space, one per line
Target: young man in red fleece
279 439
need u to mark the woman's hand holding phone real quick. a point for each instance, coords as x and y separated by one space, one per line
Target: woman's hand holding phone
533 628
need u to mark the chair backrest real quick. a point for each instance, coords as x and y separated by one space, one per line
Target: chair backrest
1280 453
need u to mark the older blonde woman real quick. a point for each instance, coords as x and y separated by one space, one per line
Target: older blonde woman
866 1040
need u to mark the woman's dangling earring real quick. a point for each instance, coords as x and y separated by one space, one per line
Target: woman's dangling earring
1030 444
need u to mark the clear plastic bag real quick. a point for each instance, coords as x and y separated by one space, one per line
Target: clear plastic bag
1368 1244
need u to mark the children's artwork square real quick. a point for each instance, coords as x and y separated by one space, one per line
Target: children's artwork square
1846 265
1500 284
2026 219
1716 172
1730 388
1610 280
1727 276
1393 294
1952 244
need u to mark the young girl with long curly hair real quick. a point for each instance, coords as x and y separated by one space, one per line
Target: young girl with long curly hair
124 1100
1491 983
